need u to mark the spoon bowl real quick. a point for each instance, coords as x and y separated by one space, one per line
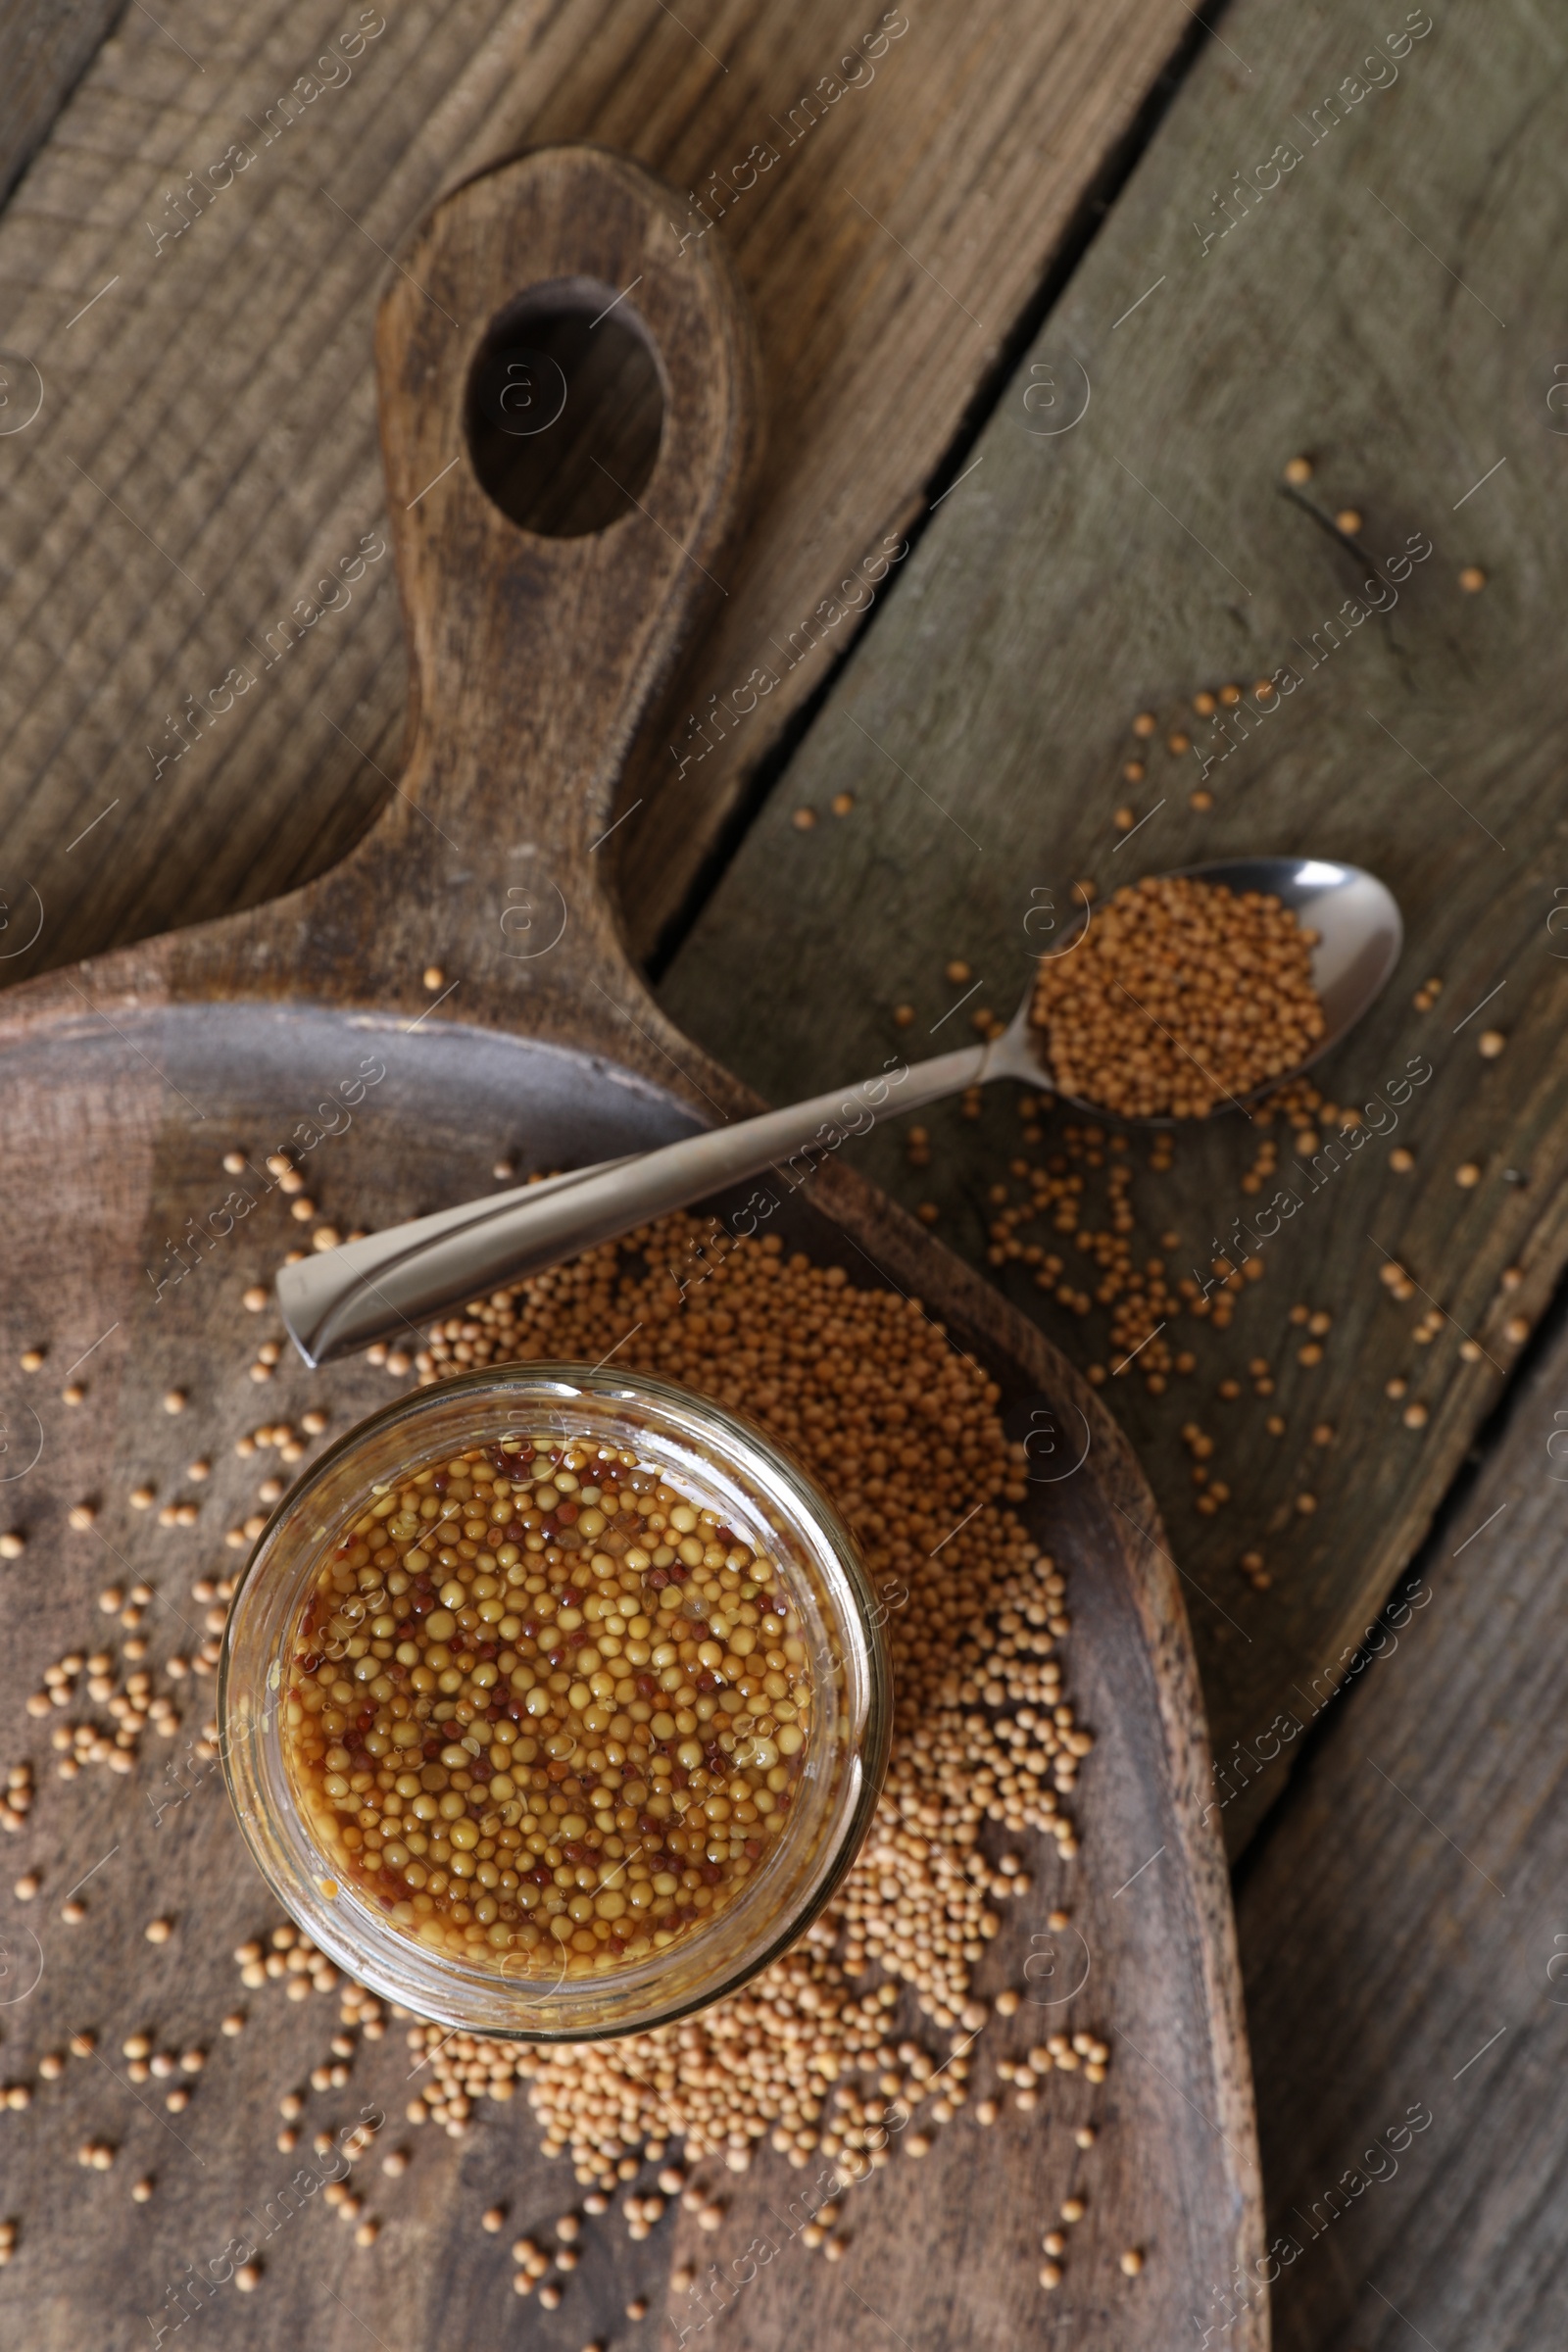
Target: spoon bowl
1361 935
344 1298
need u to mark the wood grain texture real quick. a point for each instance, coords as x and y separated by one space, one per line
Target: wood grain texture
204 455
45 47
1408 1902
1380 310
125 1081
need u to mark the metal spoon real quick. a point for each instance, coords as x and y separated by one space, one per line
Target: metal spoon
378 1289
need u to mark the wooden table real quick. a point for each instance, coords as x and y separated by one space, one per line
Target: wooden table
1052 318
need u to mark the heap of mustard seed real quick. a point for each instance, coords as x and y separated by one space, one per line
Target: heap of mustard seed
1180 996
902 1429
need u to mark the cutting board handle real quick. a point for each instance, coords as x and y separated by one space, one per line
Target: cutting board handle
533 658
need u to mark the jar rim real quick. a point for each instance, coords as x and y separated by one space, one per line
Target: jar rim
844 1764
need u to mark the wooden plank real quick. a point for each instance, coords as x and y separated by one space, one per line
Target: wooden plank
206 453
1369 311
129 1084
1409 1901
45 47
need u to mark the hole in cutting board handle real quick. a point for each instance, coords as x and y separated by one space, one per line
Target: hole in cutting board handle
565 410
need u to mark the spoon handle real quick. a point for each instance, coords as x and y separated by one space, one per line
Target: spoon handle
383 1286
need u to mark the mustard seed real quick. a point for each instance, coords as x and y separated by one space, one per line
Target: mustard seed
1472 578
1183 994
1467 1176
1298 471
1132 2262
13 1543
1490 1042
533 1856
805 2021
1400 1160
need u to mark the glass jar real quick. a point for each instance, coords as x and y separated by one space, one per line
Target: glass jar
724 1465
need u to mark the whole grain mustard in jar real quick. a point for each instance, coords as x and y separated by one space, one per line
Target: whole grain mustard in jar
553 1704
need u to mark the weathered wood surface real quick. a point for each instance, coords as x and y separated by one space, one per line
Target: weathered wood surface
128 1078
224 190
1405 1938
45 47
1149 551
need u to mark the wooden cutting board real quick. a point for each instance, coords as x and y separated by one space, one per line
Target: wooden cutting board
126 1080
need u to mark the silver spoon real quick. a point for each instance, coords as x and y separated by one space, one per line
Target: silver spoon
342 1301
